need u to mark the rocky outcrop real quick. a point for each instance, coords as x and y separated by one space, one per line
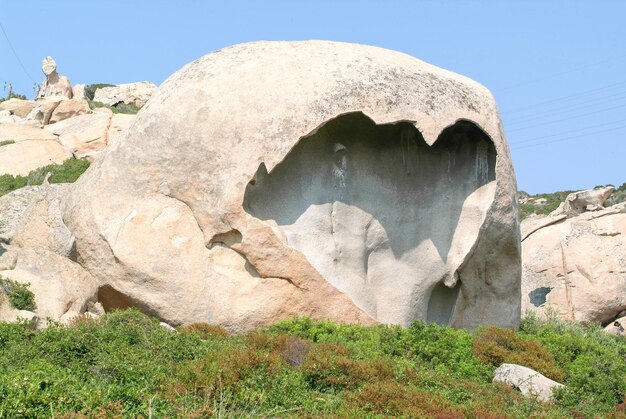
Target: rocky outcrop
528 381
307 191
55 85
130 93
579 202
618 326
575 267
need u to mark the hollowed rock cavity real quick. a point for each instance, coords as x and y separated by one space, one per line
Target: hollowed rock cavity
382 215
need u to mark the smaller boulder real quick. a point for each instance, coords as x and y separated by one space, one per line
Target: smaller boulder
43 109
20 158
130 93
617 327
528 381
84 135
68 109
18 107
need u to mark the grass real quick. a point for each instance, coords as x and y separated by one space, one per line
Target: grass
67 172
19 295
125 365
6 142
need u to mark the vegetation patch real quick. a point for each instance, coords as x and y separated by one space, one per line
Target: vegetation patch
68 172
19 295
125 365
6 142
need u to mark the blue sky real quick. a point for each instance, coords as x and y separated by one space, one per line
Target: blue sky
556 68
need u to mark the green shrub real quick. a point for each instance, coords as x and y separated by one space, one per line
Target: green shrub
19 295
67 172
6 142
496 345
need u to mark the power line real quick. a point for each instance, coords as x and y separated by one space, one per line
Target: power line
558 134
567 119
15 53
567 108
551 76
568 138
566 98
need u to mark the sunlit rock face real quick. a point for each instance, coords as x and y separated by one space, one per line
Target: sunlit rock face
315 178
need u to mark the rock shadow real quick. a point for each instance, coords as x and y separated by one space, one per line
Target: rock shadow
374 207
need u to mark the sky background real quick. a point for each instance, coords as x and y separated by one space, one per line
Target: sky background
556 68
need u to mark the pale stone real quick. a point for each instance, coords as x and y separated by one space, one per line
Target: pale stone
119 125
528 381
13 207
575 267
130 93
167 327
18 133
78 91
61 287
41 225
617 327
68 109
17 107
85 135
275 179
20 158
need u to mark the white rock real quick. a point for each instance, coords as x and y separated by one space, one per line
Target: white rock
130 93
167 327
617 327
528 381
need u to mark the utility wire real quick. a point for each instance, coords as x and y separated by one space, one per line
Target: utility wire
569 138
567 109
15 53
566 98
558 134
551 76
567 119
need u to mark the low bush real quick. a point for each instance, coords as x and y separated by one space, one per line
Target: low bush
204 330
6 142
496 346
19 295
67 172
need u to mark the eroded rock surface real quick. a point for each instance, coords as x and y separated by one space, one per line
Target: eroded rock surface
324 179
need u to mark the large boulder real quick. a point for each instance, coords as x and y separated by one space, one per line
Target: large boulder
130 93
576 267
314 178
20 158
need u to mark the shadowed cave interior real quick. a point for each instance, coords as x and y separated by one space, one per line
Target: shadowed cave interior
375 209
